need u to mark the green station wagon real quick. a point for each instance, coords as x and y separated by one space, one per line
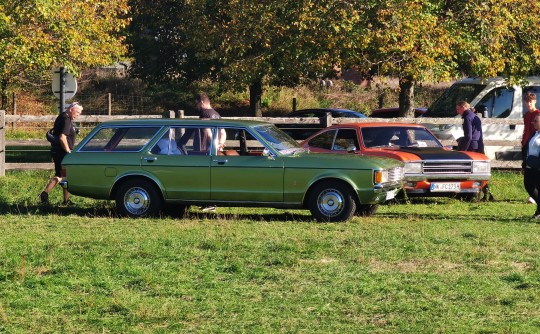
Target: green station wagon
148 163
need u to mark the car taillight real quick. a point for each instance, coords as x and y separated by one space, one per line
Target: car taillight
64 174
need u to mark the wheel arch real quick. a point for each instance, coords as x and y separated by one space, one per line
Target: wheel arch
124 178
305 202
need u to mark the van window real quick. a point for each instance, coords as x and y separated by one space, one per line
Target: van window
445 105
498 102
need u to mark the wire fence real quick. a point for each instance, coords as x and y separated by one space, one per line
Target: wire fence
94 104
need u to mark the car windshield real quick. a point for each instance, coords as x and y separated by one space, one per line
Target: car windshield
278 139
389 136
445 105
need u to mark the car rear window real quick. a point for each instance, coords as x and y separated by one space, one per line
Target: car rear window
119 139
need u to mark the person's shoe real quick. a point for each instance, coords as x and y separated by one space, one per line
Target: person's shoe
44 198
531 200
210 208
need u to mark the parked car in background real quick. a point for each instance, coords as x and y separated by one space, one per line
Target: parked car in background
145 164
430 169
302 131
393 112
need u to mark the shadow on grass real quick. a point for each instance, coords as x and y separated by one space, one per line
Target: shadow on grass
107 210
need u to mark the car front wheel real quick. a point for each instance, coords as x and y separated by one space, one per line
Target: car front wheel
332 202
138 198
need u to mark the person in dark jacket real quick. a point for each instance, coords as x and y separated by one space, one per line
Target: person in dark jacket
531 176
473 139
472 129
64 128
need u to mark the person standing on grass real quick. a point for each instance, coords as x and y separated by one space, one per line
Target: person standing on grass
531 176
473 139
528 129
472 129
64 128
202 103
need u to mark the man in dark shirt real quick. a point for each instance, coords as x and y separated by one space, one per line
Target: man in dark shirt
64 128
472 129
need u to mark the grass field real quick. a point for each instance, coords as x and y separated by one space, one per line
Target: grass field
429 266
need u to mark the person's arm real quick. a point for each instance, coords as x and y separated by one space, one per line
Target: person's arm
467 134
63 142
222 139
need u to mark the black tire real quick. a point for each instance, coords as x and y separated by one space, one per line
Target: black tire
176 210
472 197
332 201
366 210
138 198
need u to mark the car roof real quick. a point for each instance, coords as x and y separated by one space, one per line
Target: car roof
376 124
182 121
325 110
496 80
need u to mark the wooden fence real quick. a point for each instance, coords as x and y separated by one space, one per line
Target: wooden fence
324 122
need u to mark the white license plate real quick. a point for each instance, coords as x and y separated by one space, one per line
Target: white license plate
446 186
391 194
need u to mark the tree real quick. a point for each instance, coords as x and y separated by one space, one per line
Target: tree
36 36
240 43
434 40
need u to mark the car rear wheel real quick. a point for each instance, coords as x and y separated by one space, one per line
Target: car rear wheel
138 198
332 201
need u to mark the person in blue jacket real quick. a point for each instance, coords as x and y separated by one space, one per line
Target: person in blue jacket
472 129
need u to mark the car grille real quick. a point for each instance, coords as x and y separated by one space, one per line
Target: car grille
447 167
395 174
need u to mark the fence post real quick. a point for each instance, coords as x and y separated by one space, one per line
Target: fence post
169 114
110 104
180 114
2 143
326 121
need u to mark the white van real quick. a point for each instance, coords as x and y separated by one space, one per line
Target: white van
494 99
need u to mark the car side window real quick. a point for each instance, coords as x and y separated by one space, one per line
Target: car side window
325 140
167 144
346 140
120 139
241 142
193 140
498 102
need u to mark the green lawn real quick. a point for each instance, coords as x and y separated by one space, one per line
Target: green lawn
430 266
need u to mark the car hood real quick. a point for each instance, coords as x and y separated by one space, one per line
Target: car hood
436 153
335 160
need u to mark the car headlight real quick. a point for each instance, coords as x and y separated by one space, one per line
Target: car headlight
481 167
413 168
380 176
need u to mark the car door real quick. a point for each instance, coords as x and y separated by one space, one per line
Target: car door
183 168
244 172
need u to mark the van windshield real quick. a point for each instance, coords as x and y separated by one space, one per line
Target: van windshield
445 105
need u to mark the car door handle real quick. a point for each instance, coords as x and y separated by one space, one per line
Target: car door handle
221 162
150 159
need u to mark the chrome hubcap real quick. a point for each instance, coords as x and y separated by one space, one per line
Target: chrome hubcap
330 202
136 201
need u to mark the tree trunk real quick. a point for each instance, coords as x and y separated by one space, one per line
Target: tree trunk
4 100
406 97
255 93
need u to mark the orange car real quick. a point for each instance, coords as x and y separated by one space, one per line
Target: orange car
430 168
